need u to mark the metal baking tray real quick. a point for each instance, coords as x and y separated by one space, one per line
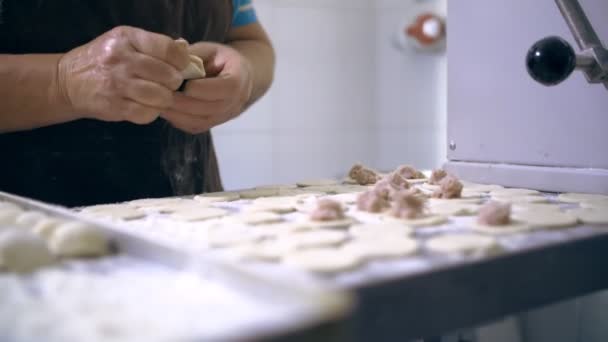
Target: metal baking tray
315 313
430 294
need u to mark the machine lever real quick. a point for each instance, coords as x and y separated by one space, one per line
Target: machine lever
552 60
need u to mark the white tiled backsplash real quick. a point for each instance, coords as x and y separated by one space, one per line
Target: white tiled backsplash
342 94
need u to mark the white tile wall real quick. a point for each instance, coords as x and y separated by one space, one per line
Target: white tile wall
342 94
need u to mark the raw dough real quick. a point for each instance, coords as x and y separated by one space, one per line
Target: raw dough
115 211
547 219
284 208
342 223
382 248
513 227
28 219
212 197
183 205
521 199
509 192
315 238
9 205
256 218
379 230
591 216
317 182
481 187
272 250
23 252
8 217
425 220
46 227
463 244
257 193
578 197
525 206
440 201
77 239
455 209
279 229
277 186
595 204
194 70
326 260
153 202
199 214
235 235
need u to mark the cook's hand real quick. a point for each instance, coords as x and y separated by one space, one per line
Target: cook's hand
125 74
211 101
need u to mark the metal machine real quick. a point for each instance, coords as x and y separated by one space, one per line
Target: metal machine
505 128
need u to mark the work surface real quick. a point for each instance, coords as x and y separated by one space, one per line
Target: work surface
429 293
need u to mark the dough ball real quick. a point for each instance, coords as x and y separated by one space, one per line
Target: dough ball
46 227
23 252
327 210
322 260
463 244
29 219
372 201
494 214
76 239
8 216
436 176
363 175
579 197
449 187
390 247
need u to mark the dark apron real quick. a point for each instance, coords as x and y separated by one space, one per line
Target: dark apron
88 161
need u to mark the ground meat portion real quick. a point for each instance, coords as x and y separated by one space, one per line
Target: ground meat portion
363 175
437 176
327 210
372 201
494 214
397 181
409 172
407 205
449 187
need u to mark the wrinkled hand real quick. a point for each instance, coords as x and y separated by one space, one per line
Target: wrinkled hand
125 74
211 101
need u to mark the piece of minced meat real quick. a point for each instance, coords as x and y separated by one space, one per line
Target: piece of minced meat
449 187
327 210
494 214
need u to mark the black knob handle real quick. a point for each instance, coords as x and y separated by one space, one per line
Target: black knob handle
551 60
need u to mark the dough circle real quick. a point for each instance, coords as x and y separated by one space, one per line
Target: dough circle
315 238
481 187
46 227
390 247
380 230
463 244
591 216
8 216
322 260
455 209
115 211
595 204
546 219
521 199
513 227
28 219
424 221
256 218
579 197
507 192
526 206
77 239
438 201
213 197
23 252
343 223
317 182
198 214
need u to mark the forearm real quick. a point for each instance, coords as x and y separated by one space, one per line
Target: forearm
30 95
260 55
